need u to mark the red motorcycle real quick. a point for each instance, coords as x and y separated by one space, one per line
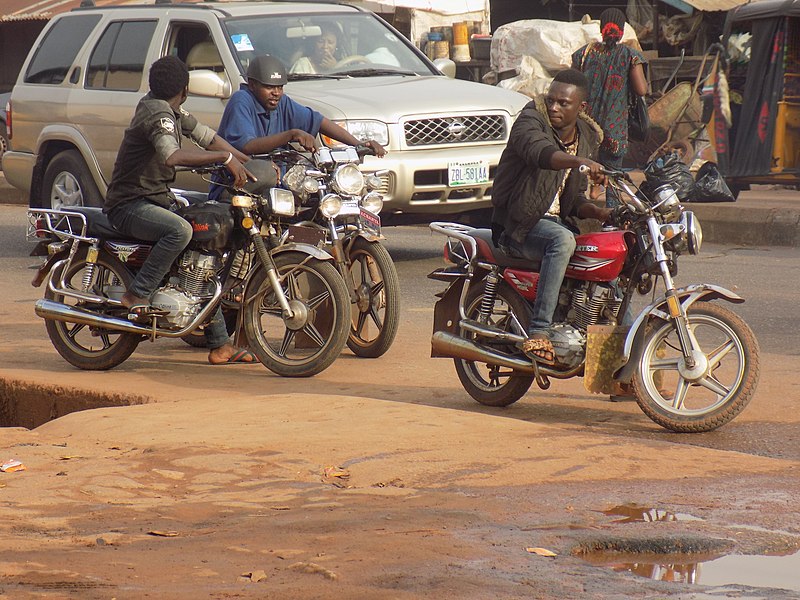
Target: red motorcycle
692 364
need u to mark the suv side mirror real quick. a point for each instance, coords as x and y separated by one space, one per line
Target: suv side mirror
204 82
446 66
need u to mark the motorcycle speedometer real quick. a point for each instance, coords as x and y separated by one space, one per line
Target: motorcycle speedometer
348 180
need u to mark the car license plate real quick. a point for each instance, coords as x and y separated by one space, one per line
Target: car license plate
371 221
467 173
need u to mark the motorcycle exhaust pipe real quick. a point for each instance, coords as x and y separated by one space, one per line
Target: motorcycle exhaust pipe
57 311
448 344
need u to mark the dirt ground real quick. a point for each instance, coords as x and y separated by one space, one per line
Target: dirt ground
229 483
169 478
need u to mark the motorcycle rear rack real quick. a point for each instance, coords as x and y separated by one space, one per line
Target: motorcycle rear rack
64 224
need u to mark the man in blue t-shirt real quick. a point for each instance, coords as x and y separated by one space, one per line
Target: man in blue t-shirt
260 117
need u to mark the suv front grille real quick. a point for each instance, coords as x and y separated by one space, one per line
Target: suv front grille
455 130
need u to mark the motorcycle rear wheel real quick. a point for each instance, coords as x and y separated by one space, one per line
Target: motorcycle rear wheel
492 385
87 347
376 311
680 401
309 343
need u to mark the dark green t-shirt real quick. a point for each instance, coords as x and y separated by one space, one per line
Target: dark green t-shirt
152 137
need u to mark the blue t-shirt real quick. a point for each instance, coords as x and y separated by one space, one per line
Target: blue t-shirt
244 119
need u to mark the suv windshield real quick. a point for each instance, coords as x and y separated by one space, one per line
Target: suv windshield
325 45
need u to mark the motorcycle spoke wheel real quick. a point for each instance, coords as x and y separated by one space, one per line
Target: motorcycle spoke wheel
309 341
375 312
492 385
88 347
716 389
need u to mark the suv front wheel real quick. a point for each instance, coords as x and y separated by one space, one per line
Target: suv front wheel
68 182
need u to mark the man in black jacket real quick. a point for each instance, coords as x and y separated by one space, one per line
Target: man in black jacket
538 186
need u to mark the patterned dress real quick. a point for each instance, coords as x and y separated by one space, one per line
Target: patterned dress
607 70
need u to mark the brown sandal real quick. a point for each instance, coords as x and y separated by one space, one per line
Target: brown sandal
539 349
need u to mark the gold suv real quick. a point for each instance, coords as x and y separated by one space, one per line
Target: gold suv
81 81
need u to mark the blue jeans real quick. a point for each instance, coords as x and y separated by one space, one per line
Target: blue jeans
612 162
552 243
171 233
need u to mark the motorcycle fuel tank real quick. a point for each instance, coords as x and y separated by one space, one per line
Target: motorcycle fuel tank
598 256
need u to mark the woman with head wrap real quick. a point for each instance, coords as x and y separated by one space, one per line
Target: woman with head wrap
612 70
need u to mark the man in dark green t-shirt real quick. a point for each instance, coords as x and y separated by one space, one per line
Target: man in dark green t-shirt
139 198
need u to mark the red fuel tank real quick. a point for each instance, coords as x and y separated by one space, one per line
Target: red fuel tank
599 256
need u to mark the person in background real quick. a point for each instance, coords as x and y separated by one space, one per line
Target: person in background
612 69
321 54
139 199
260 117
538 185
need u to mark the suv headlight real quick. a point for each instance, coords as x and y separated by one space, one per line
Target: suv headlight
348 180
367 130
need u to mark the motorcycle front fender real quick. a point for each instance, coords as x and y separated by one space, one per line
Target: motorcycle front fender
688 295
304 248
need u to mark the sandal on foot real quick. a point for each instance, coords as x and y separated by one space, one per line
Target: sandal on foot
241 356
539 349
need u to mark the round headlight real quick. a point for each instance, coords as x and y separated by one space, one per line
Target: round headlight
310 185
373 202
667 202
694 233
330 205
373 182
348 180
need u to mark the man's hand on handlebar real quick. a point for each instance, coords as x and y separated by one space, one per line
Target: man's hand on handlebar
240 174
376 148
595 170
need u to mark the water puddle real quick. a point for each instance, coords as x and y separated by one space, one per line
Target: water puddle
734 569
634 513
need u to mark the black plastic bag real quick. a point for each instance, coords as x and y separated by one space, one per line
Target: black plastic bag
670 169
710 186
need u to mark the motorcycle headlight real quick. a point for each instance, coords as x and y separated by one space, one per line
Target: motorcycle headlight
373 202
242 201
294 177
281 202
367 130
330 205
694 233
667 202
373 182
348 180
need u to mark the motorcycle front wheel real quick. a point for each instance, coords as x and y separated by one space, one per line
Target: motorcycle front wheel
488 384
375 312
85 346
716 389
309 341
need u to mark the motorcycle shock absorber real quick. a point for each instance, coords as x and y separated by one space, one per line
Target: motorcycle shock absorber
489 295
89 269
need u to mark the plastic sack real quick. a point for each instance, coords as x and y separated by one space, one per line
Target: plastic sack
710 186
669 168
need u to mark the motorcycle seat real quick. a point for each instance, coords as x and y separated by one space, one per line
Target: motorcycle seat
487 250
98 224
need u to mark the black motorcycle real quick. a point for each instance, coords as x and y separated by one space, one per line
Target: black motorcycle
293 303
